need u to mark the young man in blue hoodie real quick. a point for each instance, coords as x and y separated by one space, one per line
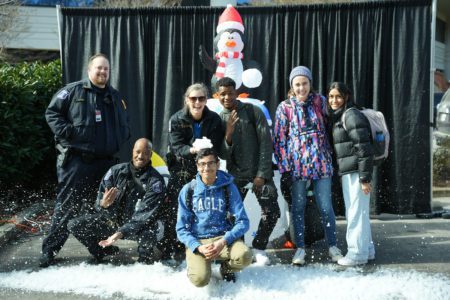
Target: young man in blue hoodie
204 226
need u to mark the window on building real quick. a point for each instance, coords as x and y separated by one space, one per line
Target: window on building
440 30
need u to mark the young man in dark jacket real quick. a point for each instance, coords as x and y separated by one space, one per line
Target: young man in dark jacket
204 226
128 200
90 122
247 149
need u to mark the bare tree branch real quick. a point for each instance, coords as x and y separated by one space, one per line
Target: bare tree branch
9 11
9 2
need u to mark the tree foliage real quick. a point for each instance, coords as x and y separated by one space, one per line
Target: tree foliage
441 164
26 142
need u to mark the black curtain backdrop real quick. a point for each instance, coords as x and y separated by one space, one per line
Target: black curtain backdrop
381 49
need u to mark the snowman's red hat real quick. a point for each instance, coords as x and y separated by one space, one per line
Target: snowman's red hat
230 19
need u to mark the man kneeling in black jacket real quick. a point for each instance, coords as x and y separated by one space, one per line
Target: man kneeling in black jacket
128 200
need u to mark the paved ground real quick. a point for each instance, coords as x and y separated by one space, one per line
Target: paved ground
403 242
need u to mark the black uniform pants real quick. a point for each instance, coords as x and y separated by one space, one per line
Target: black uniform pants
91 229
169 243
78 183
270 211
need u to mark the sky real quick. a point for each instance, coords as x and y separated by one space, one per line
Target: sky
158 281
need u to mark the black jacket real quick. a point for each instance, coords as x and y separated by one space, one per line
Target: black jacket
71 116
250 154
141 193
353 147
181 137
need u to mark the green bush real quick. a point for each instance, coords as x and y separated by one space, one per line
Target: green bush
441 164
26 142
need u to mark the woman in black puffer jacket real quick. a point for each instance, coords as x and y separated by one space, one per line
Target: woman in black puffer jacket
353 148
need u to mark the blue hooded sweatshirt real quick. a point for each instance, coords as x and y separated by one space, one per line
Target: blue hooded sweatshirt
207 216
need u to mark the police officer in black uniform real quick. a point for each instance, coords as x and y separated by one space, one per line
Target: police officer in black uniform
128 201
90 122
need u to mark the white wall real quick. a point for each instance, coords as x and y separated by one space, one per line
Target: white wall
223 2
439 56
36 28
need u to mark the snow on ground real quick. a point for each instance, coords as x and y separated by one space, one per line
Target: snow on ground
159 281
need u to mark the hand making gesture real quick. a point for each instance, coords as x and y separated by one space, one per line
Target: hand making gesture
108 197
231 124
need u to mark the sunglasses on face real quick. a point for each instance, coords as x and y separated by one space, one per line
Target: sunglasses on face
199 99
203 164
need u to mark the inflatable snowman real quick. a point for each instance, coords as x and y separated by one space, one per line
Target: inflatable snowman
229 59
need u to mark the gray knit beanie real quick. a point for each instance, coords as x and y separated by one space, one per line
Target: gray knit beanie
300 71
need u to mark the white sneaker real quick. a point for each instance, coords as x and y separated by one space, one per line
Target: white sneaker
261 257
299 257
348 262
335 253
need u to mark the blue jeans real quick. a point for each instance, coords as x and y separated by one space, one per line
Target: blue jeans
322 194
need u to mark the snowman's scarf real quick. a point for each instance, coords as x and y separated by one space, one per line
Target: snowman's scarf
222 56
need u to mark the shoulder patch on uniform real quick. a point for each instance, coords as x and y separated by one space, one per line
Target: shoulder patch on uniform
63 94
108 175
157 187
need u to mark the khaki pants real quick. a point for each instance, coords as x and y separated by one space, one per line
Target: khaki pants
236 257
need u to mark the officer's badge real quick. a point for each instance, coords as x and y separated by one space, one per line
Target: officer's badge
63 94
157 187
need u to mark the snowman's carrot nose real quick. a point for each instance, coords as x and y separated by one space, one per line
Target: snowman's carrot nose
230 44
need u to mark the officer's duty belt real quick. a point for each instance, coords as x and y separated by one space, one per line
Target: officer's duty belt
89 157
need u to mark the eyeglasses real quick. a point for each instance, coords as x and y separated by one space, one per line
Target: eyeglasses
199 99
203 164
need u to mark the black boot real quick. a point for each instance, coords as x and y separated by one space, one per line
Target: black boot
97 258
226 274
46 260
147 260
173 251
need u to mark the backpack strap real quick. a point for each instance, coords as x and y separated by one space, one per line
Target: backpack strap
317 107
343 117
227 197
190 194
288 111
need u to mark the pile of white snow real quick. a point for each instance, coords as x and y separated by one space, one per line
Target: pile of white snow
159 281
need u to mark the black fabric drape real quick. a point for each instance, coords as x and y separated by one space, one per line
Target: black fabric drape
381 49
